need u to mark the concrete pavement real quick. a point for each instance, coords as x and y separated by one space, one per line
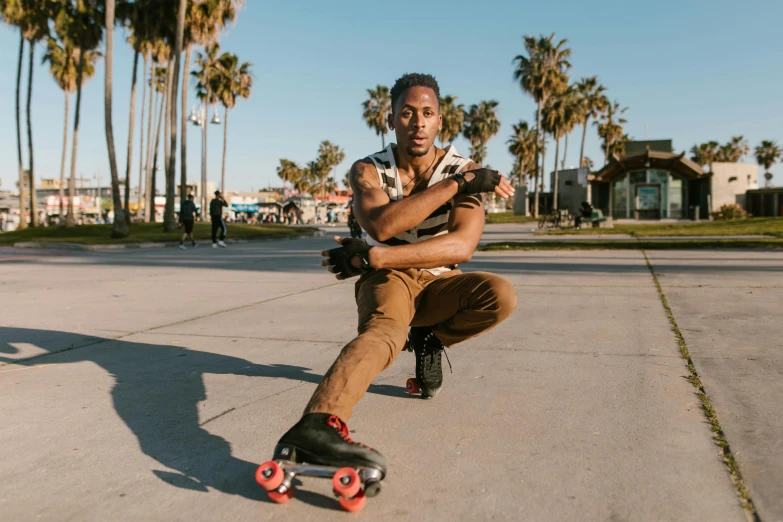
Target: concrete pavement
164 377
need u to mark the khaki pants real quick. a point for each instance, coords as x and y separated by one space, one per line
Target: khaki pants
457 306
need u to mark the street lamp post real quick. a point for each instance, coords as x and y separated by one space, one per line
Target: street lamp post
199 119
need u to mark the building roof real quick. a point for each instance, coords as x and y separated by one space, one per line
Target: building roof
677 164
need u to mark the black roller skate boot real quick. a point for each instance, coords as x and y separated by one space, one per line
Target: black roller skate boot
428 350
322 439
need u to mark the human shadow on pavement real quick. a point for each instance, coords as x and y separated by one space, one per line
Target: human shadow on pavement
157 389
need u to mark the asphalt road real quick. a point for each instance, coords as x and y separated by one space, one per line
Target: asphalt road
149 384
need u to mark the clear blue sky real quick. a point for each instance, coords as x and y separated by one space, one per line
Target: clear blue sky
692 71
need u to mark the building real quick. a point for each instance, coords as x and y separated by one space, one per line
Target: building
765 202
651 182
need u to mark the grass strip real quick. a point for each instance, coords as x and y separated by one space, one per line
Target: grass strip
737 227
142 233
685 244
508 217
717 432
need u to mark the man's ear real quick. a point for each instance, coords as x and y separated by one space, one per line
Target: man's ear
390 121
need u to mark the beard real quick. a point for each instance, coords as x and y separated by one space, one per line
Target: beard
417 153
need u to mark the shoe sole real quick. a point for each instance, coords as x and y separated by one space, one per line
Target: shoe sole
295 454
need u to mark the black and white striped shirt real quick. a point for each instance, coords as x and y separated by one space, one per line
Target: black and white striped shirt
436 223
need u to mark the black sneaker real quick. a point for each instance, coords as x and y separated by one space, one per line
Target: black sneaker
428 349
322 439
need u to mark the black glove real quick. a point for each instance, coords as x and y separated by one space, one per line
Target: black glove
340 258
485 180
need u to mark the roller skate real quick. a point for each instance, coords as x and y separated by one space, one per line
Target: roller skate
429 374
319 446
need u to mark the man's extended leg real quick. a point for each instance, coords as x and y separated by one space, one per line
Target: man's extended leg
385 308
384 299
453 308
215 225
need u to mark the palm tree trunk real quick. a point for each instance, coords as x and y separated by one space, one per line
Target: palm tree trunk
62 161
119 226
141 141
31 171
225 144
22 207
555 206
565 153
156 148
167 116
204 212
582 150
383 141
535 175
184 144
148 173
169 219
70 219
132 119
542 181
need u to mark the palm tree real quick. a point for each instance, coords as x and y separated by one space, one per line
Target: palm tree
203 23
78 26
559 118
540 74
206 77
522 145
288 171
376 108
767 154
481 123
119 226
741 146
705 154
13 14
592 102
347 180
453 118
329 157
31 17
62 65
610 128
169 219
235 81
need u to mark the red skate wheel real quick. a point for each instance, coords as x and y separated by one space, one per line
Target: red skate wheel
354 504
346 482
281 498
269 475
412 386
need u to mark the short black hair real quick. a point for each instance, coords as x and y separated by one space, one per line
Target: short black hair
190 196
409 80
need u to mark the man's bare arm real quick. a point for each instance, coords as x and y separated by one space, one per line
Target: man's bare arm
383 218
466 223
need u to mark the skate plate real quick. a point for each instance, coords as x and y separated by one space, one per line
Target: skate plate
350 485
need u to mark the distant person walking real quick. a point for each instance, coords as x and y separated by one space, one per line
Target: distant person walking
187 214
216 214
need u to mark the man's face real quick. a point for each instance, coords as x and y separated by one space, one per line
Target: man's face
416 120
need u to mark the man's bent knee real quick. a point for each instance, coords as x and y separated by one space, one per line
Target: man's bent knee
502 297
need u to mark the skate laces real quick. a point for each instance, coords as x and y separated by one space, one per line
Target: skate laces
436 348
342 428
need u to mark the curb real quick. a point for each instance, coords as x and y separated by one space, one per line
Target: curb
128 246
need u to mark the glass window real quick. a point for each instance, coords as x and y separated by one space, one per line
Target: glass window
675 197
638 177
619 198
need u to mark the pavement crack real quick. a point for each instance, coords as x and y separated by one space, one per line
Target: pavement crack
253 402
706 405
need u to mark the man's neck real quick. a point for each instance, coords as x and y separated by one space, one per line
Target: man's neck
415 165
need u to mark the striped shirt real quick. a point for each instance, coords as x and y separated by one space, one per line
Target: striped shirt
436 223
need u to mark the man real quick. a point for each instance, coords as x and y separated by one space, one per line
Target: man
216 215
422 209
187 214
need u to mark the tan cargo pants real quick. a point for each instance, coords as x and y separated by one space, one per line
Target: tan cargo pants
457 306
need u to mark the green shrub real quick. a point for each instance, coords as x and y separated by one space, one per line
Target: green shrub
730 211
